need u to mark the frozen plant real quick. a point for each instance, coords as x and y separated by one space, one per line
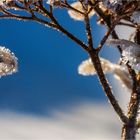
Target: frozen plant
109 14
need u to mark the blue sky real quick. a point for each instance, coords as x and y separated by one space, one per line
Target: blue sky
47 77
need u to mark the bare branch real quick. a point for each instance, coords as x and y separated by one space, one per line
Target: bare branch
63 30
88 29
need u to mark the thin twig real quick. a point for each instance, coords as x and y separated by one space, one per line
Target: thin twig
63 30
126 24
88 29
102 42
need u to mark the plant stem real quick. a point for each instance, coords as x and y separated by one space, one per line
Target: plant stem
129 130
108 92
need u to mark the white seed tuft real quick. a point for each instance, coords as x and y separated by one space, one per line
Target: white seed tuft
86 68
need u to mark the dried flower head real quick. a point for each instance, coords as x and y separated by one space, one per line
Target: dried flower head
120 72
130 52
77 15
8 62
87 68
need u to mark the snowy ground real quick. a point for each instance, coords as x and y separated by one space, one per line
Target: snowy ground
85 122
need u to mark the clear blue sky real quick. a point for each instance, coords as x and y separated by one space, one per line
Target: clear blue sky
48 61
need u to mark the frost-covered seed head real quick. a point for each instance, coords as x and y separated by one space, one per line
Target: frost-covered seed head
86 68
8 62
78 16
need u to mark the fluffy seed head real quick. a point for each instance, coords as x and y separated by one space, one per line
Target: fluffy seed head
8 62
76 15
86 68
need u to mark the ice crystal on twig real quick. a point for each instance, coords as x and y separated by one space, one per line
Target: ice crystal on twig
130 52
8 62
